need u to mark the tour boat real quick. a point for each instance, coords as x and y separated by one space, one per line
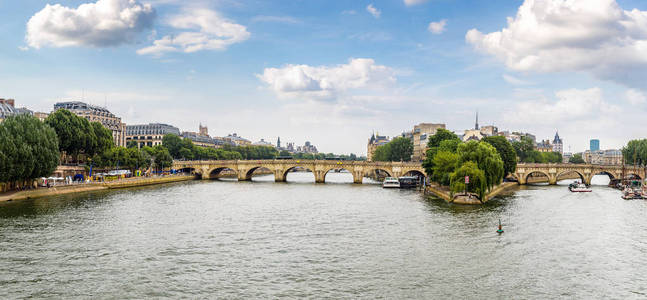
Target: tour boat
391 182
577 187
408 182
629 193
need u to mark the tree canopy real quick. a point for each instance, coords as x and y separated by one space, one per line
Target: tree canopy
477 179
486 158
526 152
576 159
506 151
29 149
441 135
635 152
398 149
443 140
78 135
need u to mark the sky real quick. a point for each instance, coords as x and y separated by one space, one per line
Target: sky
334 72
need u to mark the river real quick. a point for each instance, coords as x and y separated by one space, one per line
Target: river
223 239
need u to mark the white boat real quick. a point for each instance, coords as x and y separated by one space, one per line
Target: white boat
578 187
391 182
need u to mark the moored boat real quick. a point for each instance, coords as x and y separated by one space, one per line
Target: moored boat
578 187
391 182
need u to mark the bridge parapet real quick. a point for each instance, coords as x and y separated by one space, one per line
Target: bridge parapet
280 167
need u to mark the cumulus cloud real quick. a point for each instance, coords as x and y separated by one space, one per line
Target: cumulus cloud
571 105
101 24
636 97
209 31
324 82
437 27
373 11
594 36
414 2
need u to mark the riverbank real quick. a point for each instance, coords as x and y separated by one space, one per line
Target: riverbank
94 186
445 194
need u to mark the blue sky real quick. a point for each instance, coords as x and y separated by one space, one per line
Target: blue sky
331 72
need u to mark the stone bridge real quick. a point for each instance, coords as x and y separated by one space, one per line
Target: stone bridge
244 169
556 172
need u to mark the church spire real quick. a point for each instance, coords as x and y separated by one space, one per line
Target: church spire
476 126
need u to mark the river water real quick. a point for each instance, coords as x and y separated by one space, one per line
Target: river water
223 239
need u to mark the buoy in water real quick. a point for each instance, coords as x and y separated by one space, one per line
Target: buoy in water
500 230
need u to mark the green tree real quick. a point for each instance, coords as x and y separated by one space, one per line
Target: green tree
382 153
75 134
104 139
486 158
401 149
28 149
524 149
635 152
506 151
576 159
163 158
131 144
445 163
477 179
173 144
441 135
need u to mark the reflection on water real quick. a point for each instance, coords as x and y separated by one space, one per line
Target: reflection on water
260 239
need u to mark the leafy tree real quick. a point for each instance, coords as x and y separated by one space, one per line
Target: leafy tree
486 158
443 140
477 179
186 153
401 149
382 153
506 151
131 144
635 152
576 159
524 148
163 158
445 163
441 135
28 149
104 140
173 144
284 153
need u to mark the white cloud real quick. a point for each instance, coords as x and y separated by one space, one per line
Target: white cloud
373 11
323 82
594 36
211 32
101 24
636 97
571 105
514 80
437 27
414 2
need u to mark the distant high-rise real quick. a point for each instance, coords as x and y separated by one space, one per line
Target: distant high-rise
594 145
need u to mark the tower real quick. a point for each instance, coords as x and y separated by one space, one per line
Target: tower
204 131
278 142
476 126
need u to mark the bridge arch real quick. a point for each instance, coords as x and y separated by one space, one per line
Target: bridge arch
250 172
357 175
528 176
582 177
213 173
291 167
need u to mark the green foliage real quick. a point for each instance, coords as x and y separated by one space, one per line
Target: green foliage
486 158
123 158
477 179
28 149
524 148
78 135
576 159
173 144
132 144
443 140
162 157
635 152
445 163
506 151
398 149
441 135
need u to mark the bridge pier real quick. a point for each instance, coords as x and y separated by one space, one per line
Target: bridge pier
358 177
320 176
279 176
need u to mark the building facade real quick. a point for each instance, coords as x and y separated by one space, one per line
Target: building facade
238 140
544 146
603 157
594 145
8 108
374 142
97 114
420 137
149 134
558 144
